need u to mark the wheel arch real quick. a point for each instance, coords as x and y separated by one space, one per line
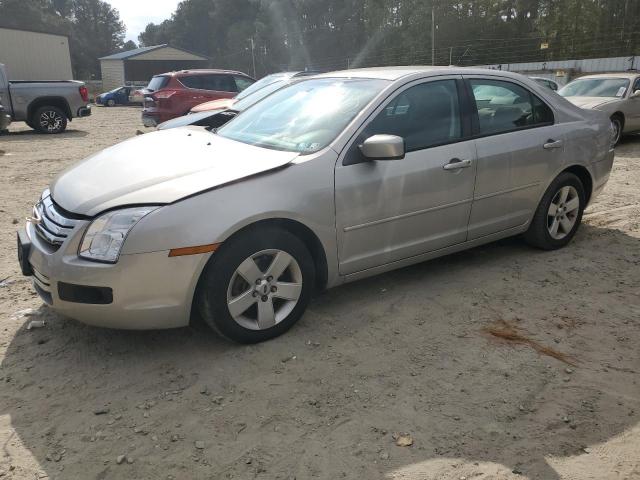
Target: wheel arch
585 177
59 102
305 234
619 115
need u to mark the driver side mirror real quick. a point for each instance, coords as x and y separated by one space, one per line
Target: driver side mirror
383 147
635 94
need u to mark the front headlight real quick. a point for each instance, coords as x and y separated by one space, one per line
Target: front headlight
105 236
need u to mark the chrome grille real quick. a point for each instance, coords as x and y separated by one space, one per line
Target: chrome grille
52 226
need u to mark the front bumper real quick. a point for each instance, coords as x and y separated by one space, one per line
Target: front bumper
148 290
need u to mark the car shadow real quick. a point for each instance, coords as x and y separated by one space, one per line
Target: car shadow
404 352
20 135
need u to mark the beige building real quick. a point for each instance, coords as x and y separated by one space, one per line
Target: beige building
32 55
139 65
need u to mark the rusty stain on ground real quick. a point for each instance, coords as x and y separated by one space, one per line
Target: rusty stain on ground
509 333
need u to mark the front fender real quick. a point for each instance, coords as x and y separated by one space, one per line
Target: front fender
303 192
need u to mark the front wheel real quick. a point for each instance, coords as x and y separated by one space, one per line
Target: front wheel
256 286
111 102
49 120
559 213
618 126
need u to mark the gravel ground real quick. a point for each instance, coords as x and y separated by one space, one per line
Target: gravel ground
405 355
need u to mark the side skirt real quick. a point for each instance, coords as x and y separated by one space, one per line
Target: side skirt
434 254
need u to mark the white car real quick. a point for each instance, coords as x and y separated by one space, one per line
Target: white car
616 94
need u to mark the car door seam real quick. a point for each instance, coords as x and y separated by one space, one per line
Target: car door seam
406 215
510 190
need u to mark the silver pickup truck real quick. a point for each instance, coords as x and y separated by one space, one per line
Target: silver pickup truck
45 106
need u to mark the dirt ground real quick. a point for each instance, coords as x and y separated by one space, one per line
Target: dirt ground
407 352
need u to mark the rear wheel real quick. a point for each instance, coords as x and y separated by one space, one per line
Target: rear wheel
559 213
49 120
257 286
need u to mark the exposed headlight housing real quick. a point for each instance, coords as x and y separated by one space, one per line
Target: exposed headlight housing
105 236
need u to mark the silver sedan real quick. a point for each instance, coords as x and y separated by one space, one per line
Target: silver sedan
329 180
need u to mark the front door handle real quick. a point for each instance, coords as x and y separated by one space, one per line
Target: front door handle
551 144
457 164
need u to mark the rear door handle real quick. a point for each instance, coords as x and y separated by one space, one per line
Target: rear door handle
551 144
457 164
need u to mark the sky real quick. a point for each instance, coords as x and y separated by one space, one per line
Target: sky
136 14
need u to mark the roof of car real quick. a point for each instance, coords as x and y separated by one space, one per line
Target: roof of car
203 71
631 74
395 73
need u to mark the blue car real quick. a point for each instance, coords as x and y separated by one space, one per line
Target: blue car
118 96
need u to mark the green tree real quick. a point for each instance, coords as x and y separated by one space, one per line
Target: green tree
96 32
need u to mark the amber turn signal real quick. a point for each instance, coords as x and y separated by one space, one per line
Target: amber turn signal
179 252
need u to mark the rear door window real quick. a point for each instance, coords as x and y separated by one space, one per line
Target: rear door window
504 107
220 83
194 81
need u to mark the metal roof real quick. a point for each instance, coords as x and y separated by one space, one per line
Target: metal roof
139 51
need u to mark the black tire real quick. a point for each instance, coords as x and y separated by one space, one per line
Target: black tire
618 123
49 120
538 234
111 103
211 297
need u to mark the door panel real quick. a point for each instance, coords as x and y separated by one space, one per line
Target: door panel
391 210
518 149
512 170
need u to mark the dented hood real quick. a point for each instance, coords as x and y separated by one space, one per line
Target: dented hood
160 167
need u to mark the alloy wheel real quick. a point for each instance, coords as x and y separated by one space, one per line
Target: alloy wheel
563 212
264 289
51 120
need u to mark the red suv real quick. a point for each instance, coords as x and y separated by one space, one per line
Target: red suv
174 94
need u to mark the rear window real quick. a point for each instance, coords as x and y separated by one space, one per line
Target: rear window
157 83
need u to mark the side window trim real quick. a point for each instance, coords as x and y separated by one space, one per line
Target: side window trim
464 106
476 118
